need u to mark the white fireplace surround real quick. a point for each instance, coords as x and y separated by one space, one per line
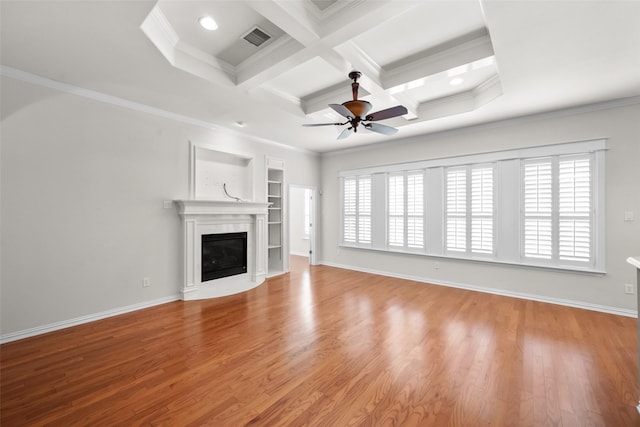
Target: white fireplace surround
201 217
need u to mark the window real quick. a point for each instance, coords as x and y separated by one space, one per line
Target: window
356 220
405 194
482 210
537 206
396 210
415 209
469 209
457 210
349 210
364 209
557 209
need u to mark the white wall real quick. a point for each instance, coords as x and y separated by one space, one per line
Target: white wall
298 245
620 125
82 187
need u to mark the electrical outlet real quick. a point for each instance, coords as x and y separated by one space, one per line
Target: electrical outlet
146 282
628 288
436 265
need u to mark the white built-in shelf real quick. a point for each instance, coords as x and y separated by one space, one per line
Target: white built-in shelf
276 198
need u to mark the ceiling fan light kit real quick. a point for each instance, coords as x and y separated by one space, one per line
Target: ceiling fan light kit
357 112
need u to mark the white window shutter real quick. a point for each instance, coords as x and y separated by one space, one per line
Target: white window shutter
349 213
562 234
415 210
537 188
482 210
574 207
456 210
396 210
364 209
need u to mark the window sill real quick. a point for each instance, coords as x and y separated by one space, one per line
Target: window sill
484 260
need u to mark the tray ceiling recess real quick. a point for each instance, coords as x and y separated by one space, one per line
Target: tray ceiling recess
296 55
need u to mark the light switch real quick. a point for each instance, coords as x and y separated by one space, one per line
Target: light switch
628 216
167 204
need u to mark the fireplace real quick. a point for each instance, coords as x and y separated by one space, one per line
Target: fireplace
204 218
223 255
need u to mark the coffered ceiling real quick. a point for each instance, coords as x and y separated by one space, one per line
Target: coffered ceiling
451 63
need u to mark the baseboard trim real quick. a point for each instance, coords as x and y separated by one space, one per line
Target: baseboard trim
521 295
306 255
38 330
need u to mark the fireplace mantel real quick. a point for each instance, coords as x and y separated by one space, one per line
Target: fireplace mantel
220 207
220 216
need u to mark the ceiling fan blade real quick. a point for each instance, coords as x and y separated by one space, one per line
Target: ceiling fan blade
342 110
385 130
396 111
323 124
345 133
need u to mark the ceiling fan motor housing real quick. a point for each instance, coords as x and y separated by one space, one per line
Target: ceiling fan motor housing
358 108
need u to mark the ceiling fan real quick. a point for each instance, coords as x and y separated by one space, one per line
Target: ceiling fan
356 112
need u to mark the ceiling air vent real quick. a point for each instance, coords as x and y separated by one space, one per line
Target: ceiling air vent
256 37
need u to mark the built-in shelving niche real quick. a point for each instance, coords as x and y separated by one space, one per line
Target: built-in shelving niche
211 170
278 253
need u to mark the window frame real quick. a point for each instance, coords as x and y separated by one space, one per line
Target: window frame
406 214
507 210
356 215
468 215
555 259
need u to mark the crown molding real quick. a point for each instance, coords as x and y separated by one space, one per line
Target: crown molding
34 79
564 112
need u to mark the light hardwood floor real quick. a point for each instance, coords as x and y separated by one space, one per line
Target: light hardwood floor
323 346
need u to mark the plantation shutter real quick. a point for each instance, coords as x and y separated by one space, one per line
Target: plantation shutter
349 213
482 210
415 209
396 210
456 210
538 208
364 209
574 208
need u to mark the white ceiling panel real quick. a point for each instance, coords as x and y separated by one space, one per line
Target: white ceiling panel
546 55
426 26
234 18
307 78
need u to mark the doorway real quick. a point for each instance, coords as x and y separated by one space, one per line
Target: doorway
302 221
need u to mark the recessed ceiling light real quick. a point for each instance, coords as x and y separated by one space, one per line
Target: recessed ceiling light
456 81
208 23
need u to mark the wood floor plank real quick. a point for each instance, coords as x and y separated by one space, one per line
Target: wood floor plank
322 346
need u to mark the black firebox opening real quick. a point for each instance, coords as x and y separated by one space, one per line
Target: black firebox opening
223 255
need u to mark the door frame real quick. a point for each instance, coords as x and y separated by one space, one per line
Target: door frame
313 230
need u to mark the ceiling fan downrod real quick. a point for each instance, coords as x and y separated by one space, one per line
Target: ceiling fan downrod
355 75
